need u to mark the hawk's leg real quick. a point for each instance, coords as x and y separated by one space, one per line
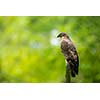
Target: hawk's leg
67 76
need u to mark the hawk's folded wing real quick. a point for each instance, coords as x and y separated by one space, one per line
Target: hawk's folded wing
71 55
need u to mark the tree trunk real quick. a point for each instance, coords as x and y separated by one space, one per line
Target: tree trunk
67 76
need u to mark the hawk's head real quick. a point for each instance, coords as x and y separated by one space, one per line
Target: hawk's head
62 34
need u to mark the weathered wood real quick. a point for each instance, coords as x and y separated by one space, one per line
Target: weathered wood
67 76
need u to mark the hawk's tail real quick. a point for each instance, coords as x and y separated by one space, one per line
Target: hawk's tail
73 73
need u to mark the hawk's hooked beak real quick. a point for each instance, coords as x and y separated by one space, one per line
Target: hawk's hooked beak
58 36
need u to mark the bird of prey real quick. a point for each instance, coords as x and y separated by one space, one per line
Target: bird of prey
70 53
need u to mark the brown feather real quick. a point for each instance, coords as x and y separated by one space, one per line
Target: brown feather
71 55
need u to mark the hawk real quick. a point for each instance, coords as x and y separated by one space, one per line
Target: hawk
70 53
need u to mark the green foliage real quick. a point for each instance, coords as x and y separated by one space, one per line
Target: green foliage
30 51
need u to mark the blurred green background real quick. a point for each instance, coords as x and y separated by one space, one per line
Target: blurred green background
30 51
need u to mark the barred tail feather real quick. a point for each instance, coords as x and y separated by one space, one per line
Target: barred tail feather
73 73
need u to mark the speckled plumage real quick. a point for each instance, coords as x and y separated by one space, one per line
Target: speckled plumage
70 53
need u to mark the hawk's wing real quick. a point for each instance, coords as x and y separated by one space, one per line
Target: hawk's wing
71 55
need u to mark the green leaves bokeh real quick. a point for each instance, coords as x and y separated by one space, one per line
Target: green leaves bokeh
30 51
